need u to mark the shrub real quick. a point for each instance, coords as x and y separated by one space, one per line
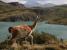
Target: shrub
43 37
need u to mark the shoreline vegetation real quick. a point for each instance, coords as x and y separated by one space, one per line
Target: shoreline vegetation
42 41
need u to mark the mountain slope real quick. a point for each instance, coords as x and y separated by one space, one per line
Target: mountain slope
54 15
4 7
48 5
10 6
16 4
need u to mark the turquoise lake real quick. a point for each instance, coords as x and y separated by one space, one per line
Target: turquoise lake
60 31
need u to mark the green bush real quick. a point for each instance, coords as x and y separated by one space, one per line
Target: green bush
49 48
43 37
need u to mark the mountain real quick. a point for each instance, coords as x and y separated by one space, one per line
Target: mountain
2 3
17 4
7 10
10 9
10 6
5 7
53 14
31 4
48 5
36 4
28 4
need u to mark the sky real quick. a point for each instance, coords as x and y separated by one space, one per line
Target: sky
58 2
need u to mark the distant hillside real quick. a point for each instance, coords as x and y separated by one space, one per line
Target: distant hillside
8 9
18 12
16 4
48 5
9 6
4 7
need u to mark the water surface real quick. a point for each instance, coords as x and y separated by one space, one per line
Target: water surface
60 31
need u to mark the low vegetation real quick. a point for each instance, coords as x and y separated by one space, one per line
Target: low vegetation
40 38
43 38
42 41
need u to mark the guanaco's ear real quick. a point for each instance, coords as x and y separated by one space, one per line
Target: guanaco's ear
37 18
9 29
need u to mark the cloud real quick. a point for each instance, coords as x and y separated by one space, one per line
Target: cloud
53 1
22 1
60 2
43 2
10 0
39 1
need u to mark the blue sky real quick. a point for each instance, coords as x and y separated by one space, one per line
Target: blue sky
39 1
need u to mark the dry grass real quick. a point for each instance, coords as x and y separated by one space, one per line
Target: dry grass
38 47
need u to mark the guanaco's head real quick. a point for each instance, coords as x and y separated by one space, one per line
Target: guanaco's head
10 29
